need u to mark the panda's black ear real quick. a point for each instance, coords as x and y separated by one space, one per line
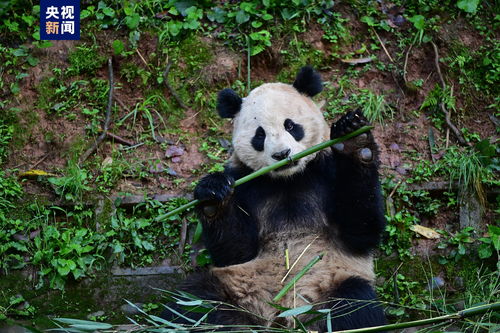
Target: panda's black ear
308 82
228 103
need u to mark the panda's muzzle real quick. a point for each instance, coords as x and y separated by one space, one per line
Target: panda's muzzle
281 155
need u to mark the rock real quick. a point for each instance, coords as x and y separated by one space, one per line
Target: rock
174 151
402 171
157 168
176 159
94 315
395 147
130 310
224 143
458 282
435 283
20 237
172 172
460 305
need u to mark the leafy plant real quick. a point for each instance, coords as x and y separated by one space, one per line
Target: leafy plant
74 184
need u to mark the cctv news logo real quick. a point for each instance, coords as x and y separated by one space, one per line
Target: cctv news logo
59 19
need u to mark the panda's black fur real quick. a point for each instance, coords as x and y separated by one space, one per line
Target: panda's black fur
332 206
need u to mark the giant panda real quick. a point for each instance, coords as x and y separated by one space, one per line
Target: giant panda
328 203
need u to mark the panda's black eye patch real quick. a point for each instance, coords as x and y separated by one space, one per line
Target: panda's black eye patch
258 139
296 130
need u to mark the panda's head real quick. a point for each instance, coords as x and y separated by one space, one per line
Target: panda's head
274 121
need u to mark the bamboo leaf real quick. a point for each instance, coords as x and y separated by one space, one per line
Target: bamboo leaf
296 311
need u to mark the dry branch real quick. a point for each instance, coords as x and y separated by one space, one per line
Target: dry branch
107 120
119 139
170 88
447 114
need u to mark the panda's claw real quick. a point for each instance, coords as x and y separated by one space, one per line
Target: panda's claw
363 146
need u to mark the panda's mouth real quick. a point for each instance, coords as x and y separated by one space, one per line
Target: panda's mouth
288 166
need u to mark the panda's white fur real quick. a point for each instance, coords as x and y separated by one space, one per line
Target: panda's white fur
268 106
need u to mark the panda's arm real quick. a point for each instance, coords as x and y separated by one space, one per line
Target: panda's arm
229 234
357 200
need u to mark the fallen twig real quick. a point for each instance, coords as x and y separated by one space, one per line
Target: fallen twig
39 161
406 62
107 120
383 46
142 58
126 108
119 139
450 125
169 87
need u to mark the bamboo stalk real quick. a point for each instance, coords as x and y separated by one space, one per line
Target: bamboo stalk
481 309
274 166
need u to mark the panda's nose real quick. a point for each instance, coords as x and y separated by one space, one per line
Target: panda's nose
281 155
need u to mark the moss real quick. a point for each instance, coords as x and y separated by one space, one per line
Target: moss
85 60
103 292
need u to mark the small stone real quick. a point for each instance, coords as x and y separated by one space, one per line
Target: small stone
20 237
436 282
172 172
402 171
224 143
174 151
107 161
131 310
96 314
395 147
176 159
158 168
458 282
459 306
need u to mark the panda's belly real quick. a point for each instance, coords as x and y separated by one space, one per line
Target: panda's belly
254 284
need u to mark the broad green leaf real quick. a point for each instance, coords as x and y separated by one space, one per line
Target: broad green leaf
418 21
469 6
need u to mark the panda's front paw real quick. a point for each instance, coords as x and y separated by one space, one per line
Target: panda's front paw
214 191
362 146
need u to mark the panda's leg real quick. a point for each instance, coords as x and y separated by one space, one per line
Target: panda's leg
354 305
357 199
218 305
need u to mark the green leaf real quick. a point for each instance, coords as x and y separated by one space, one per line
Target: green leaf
108 11
256 24
85 325
174 27
118 46
63 270
84 14
369 20
485 251
190 303
494 232
418 21
242 17
132 21
469 6
198 232
296 311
